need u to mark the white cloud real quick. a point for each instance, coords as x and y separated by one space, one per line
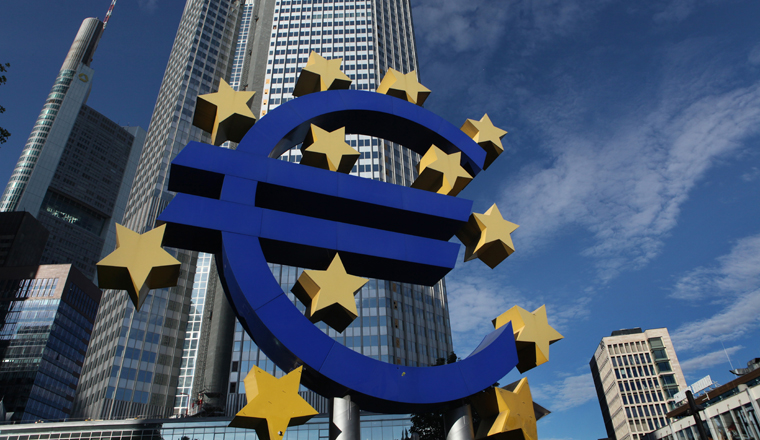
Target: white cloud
735 273
625 184
735 279
708 360
754 173
148 5
561 395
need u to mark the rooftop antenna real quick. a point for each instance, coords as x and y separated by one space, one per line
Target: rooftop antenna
108 14
729 359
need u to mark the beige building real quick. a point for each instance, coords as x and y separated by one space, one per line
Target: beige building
636 375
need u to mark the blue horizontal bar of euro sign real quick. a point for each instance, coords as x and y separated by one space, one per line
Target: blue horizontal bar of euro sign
309 242
287 337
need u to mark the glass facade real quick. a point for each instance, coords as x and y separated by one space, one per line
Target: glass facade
373 426
46 327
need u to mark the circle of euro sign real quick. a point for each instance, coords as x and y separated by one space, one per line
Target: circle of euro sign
249 208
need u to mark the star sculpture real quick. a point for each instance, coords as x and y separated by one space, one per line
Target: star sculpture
225 114
507 414
329 294
441 173
138 264
487 136
328 150
404 86
273 404
533 335
487 237
321 74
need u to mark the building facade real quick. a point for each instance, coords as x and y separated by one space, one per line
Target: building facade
46 318
160 342
636 374
204 354
374 427
731 412
76 168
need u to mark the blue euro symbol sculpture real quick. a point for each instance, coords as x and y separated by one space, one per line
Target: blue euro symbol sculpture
249 208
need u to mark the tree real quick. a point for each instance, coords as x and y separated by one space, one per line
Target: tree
4 134
429 426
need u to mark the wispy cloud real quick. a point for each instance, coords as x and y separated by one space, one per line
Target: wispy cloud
561 395
735 278
708 360
735 273
148 5
625 185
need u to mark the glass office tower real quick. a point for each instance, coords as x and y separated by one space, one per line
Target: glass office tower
186 341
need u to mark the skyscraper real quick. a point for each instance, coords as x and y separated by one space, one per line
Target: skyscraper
152 342
76 168
636 374
203 352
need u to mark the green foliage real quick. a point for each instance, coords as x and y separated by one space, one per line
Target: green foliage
429 426
4 134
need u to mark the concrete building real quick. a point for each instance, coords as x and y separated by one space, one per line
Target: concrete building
22 239
730 412
76 168
636 374
202 354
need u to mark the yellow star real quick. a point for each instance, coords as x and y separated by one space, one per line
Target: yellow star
487 136
487 237
328 150
403 86
506 414
321 74
273 404
441 173
138 264
225 114
329 294
533 335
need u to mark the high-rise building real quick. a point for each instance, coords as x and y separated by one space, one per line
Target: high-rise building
46 317
636 374
161 340
199 352
76 168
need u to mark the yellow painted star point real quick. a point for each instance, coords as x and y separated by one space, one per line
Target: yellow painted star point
441 173
329 294
485 134
321 74
507 414
225 114
403 86
328 150
488 237
273 404
138 264
533 335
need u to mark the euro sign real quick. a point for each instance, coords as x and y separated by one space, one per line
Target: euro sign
249 209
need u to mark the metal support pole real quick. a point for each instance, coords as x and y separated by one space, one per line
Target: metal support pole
694 410
458 423
344 419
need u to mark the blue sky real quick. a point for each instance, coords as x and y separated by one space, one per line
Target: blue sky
632 161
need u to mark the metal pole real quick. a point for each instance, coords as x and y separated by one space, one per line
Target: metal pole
344 419
695 412
458 423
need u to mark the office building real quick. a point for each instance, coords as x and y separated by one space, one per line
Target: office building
76 168
636 374
730 411
22 239
46 318
161 340
374 427
201 353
